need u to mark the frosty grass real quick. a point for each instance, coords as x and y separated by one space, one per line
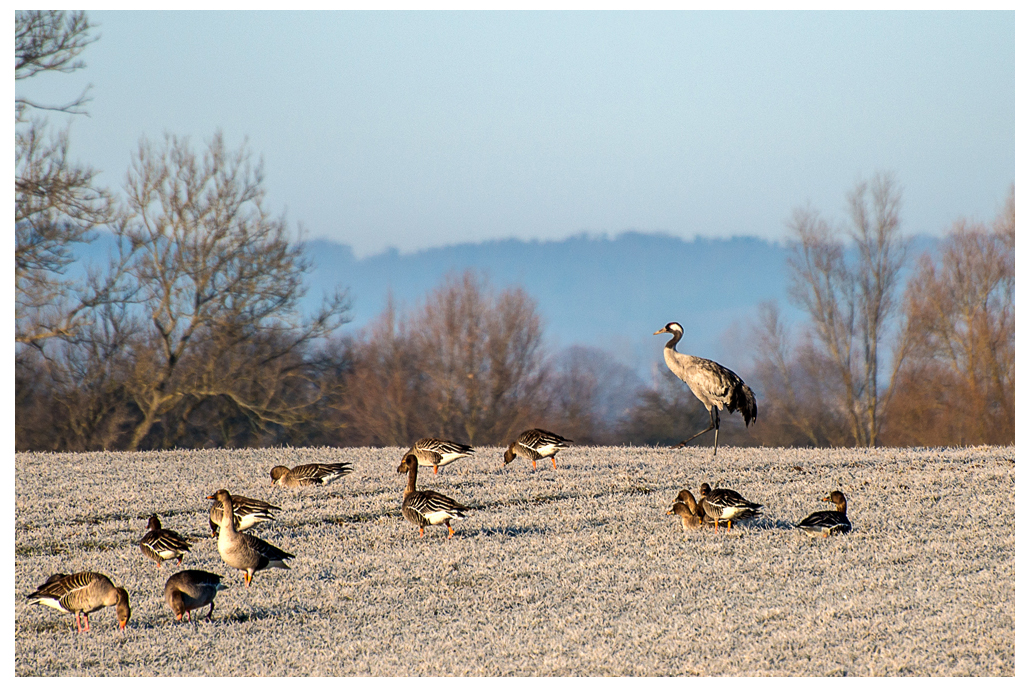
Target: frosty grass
578 571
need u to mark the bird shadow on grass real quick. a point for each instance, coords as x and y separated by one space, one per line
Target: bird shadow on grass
510 531
239 616
769 524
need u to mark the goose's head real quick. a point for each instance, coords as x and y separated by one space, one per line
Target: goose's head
687 499
278 471
220 495
408 463
153 523
679 508
838 500
509 455
122 608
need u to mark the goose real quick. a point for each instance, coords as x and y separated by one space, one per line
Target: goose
717 387
425 508
246 512
685 507
727 505
243 551
827 522
696 507
312 474
159 544
536 444
82 592
439 452
192 589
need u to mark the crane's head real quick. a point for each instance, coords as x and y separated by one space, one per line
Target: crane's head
673 328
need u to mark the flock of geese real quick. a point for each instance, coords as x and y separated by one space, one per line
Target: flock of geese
717 387
84 592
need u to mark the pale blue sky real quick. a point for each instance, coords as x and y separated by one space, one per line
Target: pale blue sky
422 129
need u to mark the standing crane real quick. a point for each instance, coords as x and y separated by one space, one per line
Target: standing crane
717 387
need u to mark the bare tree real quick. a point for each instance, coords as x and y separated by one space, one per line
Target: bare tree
483 355
382 398
49 41
57 203
852 302
213 273
591 394
798 386
959 380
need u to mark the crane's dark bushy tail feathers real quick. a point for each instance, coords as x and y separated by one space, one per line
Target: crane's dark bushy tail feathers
744 402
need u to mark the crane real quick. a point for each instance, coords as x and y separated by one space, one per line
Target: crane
717 387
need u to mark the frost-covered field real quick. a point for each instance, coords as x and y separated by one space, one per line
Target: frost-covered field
574 572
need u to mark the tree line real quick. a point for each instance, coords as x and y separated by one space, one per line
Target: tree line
191 334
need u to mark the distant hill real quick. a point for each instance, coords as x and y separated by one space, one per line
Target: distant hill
611 293
606 292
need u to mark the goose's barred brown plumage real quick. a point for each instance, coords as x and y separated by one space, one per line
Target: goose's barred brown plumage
726 505
439 452
312 474
246 512
82 592
160 545
424 508
717 387
536 444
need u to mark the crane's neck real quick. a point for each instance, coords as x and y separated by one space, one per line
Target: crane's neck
676 336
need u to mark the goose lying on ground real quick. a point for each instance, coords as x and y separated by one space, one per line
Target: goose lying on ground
159 544
826 522
83 592
686 508
312 474
243 551
425 508
536 444
192 589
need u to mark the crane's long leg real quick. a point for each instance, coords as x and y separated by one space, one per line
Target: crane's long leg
715 420
714 417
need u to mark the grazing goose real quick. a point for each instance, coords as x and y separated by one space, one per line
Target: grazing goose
246 512
727 505
192 589
439 452
159 544
243 551
82 592
685 507
536 444
827 522
717 387
312 474
425 508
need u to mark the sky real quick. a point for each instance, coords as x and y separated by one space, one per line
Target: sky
411 130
